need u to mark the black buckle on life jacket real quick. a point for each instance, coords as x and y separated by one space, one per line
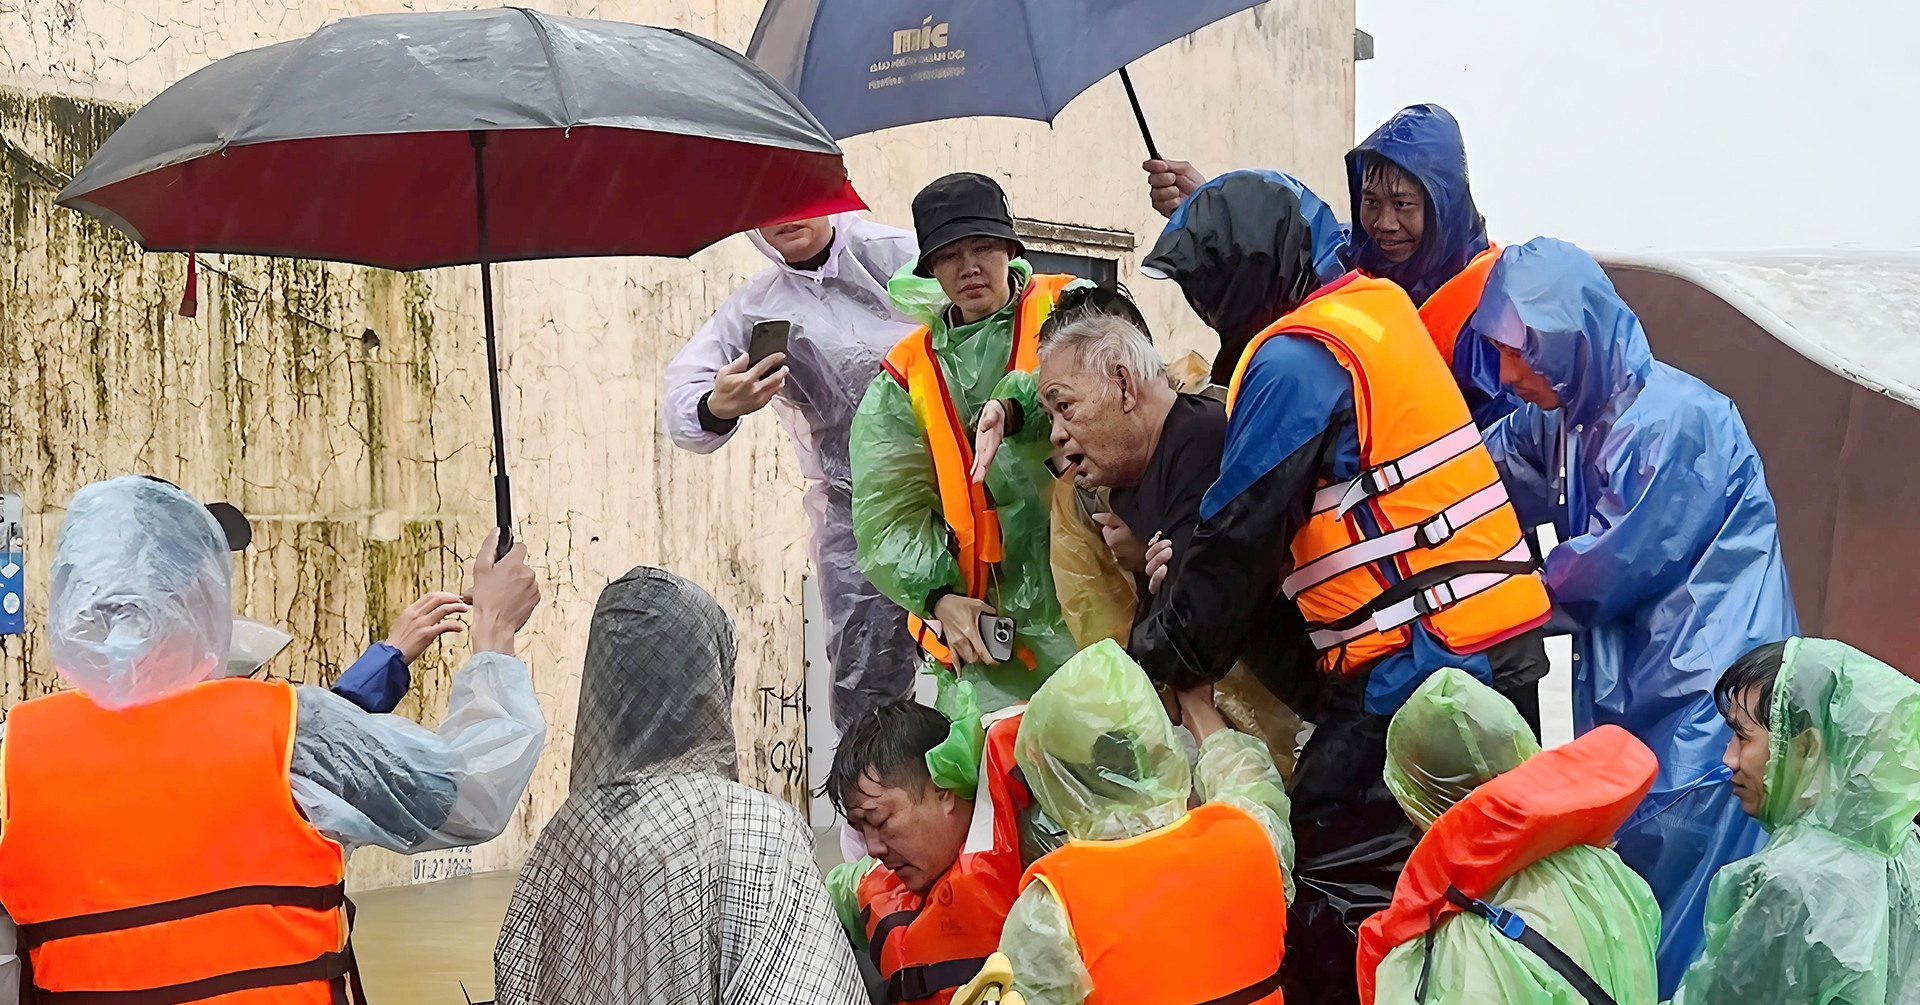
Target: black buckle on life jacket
910 984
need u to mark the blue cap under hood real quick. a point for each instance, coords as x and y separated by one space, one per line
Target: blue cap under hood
1424 140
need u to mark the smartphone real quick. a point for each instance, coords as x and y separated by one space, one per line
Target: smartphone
769 337
997 633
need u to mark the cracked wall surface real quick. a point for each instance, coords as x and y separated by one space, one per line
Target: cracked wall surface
345 409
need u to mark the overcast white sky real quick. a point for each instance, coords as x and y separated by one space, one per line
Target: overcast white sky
1668 124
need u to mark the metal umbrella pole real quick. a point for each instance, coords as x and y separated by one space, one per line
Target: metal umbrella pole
502 488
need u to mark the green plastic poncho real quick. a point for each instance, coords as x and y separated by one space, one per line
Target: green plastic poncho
1829 910
902 540
1101 757
1452 735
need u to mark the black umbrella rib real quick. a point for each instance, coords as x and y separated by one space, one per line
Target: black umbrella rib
553 66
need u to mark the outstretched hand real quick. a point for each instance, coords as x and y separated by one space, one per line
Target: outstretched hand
988 434
424 621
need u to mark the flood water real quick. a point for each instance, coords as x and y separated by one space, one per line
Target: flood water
417 944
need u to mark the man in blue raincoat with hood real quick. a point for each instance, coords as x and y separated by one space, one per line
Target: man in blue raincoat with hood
1414 222
1669 567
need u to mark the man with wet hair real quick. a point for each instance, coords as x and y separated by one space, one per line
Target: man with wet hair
927 910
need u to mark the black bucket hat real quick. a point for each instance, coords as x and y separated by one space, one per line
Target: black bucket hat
960 206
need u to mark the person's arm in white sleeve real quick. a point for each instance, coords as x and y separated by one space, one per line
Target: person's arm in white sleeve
1237 769
690 377
363 778
1038 941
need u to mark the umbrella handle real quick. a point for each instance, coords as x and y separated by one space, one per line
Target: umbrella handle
502 488
1138 115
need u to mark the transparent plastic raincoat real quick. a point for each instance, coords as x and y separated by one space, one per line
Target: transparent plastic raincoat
1829 911
896 501
142 607
1669 566
1454 734
843 325
1101 757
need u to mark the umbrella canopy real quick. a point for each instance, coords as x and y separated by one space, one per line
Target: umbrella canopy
862 65
354 145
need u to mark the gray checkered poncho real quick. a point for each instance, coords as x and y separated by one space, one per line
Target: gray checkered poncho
662 881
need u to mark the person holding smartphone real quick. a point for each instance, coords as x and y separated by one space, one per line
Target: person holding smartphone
807 335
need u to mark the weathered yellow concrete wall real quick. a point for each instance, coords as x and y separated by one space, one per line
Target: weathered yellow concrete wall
345 408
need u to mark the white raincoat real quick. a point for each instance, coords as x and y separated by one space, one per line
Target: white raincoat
843 325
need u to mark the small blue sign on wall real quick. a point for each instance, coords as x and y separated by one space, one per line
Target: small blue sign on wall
13 600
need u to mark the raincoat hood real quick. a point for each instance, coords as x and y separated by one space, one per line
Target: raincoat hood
1845 749
1098 751
1552 301
656 694
1424 140
142 593
843 230
1246 248
1452 736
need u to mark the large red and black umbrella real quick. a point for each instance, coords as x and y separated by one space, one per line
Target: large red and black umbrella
413 141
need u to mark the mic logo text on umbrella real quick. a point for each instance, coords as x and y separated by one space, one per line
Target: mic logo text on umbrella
927 36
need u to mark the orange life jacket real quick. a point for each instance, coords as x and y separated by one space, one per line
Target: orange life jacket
1449 308
1192 913
155 854
1577 793
1438 513
925 947
966 507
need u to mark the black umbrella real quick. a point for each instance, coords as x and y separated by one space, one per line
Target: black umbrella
411 141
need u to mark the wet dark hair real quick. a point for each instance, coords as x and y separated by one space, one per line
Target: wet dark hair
1378 168
1759 668
1086 301
891 744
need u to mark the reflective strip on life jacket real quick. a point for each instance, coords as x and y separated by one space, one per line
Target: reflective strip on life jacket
1428 534
966 507
1427 509
1208 883
1430 600
925 947
107 821
1344 496
1449 308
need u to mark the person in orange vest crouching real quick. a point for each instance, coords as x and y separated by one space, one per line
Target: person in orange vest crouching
1513 894
943 861
947 523
1149 901
1357 516
168 837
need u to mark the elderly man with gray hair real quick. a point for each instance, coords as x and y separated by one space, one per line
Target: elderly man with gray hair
1120 425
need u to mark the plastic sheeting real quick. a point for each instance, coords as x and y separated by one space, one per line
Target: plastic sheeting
142 592
1097 597
903 542
1669 567
843 323
1829 911
1452 736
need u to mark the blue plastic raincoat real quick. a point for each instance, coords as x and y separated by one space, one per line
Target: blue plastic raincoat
1669 567
1424 140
